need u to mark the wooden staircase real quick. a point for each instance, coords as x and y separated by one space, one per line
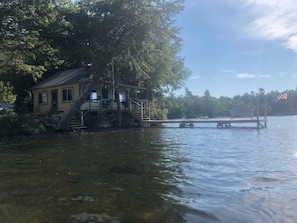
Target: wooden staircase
137 115
139 111
75 124
142 120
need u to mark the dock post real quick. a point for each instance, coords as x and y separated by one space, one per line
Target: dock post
265 122
258 112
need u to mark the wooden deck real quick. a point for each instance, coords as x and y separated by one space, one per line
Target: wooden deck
221 123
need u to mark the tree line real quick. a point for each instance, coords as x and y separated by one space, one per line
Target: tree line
193 106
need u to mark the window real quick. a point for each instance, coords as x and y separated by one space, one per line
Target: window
105 92
94 95
67 94
42 97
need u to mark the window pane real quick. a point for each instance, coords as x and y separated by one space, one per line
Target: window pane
94 95
70 95
44 97
67 94
64 95
40 98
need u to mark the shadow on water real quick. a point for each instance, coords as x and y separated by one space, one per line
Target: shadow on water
117 176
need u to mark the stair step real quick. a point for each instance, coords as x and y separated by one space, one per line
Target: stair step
75 124
79 127
137 115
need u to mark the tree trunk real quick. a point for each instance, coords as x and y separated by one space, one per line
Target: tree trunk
119 112
63 123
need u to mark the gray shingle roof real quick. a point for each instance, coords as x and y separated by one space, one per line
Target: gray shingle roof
62 78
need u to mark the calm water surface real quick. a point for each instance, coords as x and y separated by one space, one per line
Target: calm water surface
200 174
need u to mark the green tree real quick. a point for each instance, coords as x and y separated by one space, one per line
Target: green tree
136 39
207 104
27 32
147 40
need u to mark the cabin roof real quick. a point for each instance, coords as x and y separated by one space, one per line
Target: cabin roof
62 78
77 75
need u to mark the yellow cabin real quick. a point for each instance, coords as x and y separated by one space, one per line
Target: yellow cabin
57 94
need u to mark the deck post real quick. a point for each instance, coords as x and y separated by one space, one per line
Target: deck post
141 107
149 109
82 117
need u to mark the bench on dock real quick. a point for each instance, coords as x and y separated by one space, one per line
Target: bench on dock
223 124
186 124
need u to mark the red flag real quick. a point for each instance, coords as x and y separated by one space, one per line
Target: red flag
282 96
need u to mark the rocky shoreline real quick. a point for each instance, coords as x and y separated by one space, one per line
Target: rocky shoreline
13 124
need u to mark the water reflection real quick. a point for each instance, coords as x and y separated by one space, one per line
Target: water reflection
117 176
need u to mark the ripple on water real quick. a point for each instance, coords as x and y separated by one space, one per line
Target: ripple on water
214 175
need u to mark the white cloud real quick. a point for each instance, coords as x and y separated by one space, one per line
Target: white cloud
292 43
251 76
275 20
245 76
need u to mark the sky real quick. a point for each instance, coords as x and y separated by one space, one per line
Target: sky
233 47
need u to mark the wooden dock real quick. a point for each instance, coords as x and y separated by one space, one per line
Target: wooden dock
221 123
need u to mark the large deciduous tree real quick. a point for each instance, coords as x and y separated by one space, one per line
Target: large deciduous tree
28 29
139 36
136 37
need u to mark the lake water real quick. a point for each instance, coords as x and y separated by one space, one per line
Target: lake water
153 175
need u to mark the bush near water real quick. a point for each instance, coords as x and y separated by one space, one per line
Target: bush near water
13 124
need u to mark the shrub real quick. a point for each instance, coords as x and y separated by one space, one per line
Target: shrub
10 124
13 124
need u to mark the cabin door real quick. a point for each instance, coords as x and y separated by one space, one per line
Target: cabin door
54 102
105 98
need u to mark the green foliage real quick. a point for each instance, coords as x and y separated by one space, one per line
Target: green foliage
10 125
28 30
13 124
6 94
137 37
193 106
158 109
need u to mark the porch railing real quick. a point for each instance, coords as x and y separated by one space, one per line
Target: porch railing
136 105
139 105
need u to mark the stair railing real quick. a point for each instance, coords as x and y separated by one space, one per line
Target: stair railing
140 105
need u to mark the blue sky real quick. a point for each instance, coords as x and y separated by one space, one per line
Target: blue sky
237 46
